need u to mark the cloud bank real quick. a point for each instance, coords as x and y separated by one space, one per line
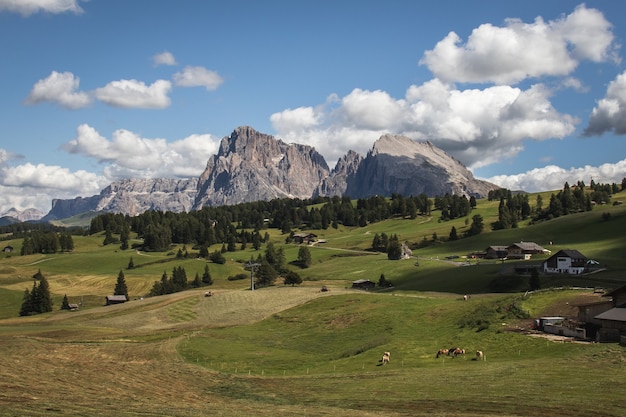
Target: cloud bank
29 7
517 51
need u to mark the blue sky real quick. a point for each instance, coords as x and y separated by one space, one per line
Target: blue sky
526 94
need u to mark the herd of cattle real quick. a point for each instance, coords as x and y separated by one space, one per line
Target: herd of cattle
453 352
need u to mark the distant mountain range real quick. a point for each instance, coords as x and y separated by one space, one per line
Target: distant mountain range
252 166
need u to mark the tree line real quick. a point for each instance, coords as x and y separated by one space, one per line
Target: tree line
514 208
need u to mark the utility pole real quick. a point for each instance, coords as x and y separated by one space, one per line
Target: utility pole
252 267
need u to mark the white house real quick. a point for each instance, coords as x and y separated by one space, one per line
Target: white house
566 261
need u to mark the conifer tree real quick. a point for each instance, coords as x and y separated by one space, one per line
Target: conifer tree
292 278
197 282
304 257
27 304
65 305
394 251
206 276
45 300
120 286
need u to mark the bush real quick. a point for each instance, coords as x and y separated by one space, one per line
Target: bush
238 277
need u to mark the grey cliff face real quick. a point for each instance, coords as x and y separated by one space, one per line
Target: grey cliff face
336 184
252 166
398 164
131 197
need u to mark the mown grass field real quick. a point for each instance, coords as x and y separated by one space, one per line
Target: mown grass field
296 351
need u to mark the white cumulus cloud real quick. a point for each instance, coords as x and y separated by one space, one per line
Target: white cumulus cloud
29 7
552 177
610 113
128 155
519 50
164 58
60 88
477 126
34 185
198 77
135 94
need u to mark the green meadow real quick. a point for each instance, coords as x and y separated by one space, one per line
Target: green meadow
296 351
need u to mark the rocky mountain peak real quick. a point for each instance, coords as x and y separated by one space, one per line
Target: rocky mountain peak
252 166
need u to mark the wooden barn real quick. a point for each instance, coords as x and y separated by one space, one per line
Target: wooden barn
305 238
363 284
115 299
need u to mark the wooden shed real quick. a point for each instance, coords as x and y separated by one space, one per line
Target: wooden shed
115 299
364 284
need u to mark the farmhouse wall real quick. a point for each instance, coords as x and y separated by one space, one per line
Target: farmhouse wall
560 330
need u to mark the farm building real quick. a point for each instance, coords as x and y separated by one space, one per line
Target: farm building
613 325
304 238
364 284
524 250
606 320
566 261
521 250
613 320
115 299
8 249
495 252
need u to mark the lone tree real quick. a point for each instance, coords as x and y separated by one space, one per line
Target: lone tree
304 257
120 286
206 276
65 305
453 234
265 275
383 283
292 278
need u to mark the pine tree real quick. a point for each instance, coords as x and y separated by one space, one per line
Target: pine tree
304 257
265 275
120 286
131 264
44 298
453 234
394 251
206 276
27 304
292 278
65 305
124 236
197 282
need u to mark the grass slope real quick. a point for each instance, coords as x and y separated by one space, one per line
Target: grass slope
295 351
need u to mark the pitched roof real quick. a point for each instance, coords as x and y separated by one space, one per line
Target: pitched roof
572 253
616 291
614 314
116 297
528 246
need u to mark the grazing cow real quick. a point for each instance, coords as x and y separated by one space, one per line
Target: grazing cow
479 355
451 351
458 352
442 352
385 358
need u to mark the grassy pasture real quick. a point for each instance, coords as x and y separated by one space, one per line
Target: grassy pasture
296 352
299 352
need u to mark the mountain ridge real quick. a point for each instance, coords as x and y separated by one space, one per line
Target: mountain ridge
252 166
